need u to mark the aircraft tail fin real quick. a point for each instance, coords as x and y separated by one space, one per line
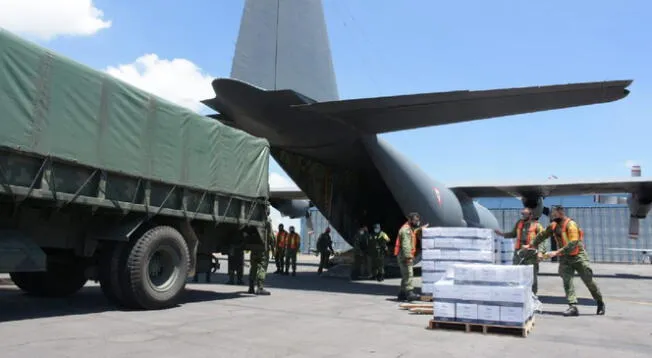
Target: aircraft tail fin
283 44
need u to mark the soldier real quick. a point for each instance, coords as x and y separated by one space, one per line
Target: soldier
360 261
259 260
236 260
325 249
404 250
279 252
378 251
524 231
292 248
572 257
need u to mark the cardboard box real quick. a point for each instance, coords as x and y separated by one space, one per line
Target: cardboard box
427 265
444 289
513 315
427 243
443 311
427 288
513 294
466 312
489 314
430 254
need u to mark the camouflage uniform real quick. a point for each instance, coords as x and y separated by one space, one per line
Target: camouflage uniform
405 249
360 263
573 257
521 255
259 261
324 248
378 251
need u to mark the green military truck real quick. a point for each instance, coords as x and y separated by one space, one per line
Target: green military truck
102 181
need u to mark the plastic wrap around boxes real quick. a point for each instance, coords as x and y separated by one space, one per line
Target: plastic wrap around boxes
444 247
485 294
469 273
504 251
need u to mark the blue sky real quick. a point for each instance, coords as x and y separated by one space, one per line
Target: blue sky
385 47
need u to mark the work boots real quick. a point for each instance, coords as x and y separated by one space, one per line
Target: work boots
401 296
601 308
411 296
262 292
571 312
251 288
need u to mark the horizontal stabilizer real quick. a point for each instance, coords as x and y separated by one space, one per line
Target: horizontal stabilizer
387 114
558 188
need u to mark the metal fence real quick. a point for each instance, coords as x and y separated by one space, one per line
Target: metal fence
604 228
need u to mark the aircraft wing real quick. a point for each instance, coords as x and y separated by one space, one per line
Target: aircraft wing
287 193
387 114
558 188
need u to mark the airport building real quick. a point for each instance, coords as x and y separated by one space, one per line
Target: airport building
605 226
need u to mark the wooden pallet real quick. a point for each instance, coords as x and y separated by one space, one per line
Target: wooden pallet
407 306
421 310
523 330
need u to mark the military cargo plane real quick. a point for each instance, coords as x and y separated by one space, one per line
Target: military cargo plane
283 88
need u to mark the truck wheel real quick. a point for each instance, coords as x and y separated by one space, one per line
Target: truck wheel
59 280
112 274
157 267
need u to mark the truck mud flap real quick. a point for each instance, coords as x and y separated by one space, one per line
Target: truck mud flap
19 253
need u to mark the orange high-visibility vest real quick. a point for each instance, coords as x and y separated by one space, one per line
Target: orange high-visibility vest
563 239
293 241
531 233
397 245
281 239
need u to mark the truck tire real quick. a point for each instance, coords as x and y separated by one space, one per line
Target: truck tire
112 273
157 267
60 280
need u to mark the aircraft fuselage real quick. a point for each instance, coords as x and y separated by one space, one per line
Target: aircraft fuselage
387 186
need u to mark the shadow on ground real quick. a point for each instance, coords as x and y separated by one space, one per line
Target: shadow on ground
558 300
614 276
17 305
310 281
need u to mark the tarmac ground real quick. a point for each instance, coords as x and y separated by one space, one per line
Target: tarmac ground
312 316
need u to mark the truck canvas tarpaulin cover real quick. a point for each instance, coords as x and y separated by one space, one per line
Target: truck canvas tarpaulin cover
52 106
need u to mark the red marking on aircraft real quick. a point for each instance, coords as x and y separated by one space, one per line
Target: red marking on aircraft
438 196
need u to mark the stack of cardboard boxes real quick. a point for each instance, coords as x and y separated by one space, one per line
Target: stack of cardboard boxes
470 275
444 247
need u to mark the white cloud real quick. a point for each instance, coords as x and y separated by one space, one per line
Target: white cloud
177 80
46 19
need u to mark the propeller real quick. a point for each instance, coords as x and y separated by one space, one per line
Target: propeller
309 222
634 223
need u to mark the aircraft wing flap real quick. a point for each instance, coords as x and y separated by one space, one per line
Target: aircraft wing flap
558 188
387 114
